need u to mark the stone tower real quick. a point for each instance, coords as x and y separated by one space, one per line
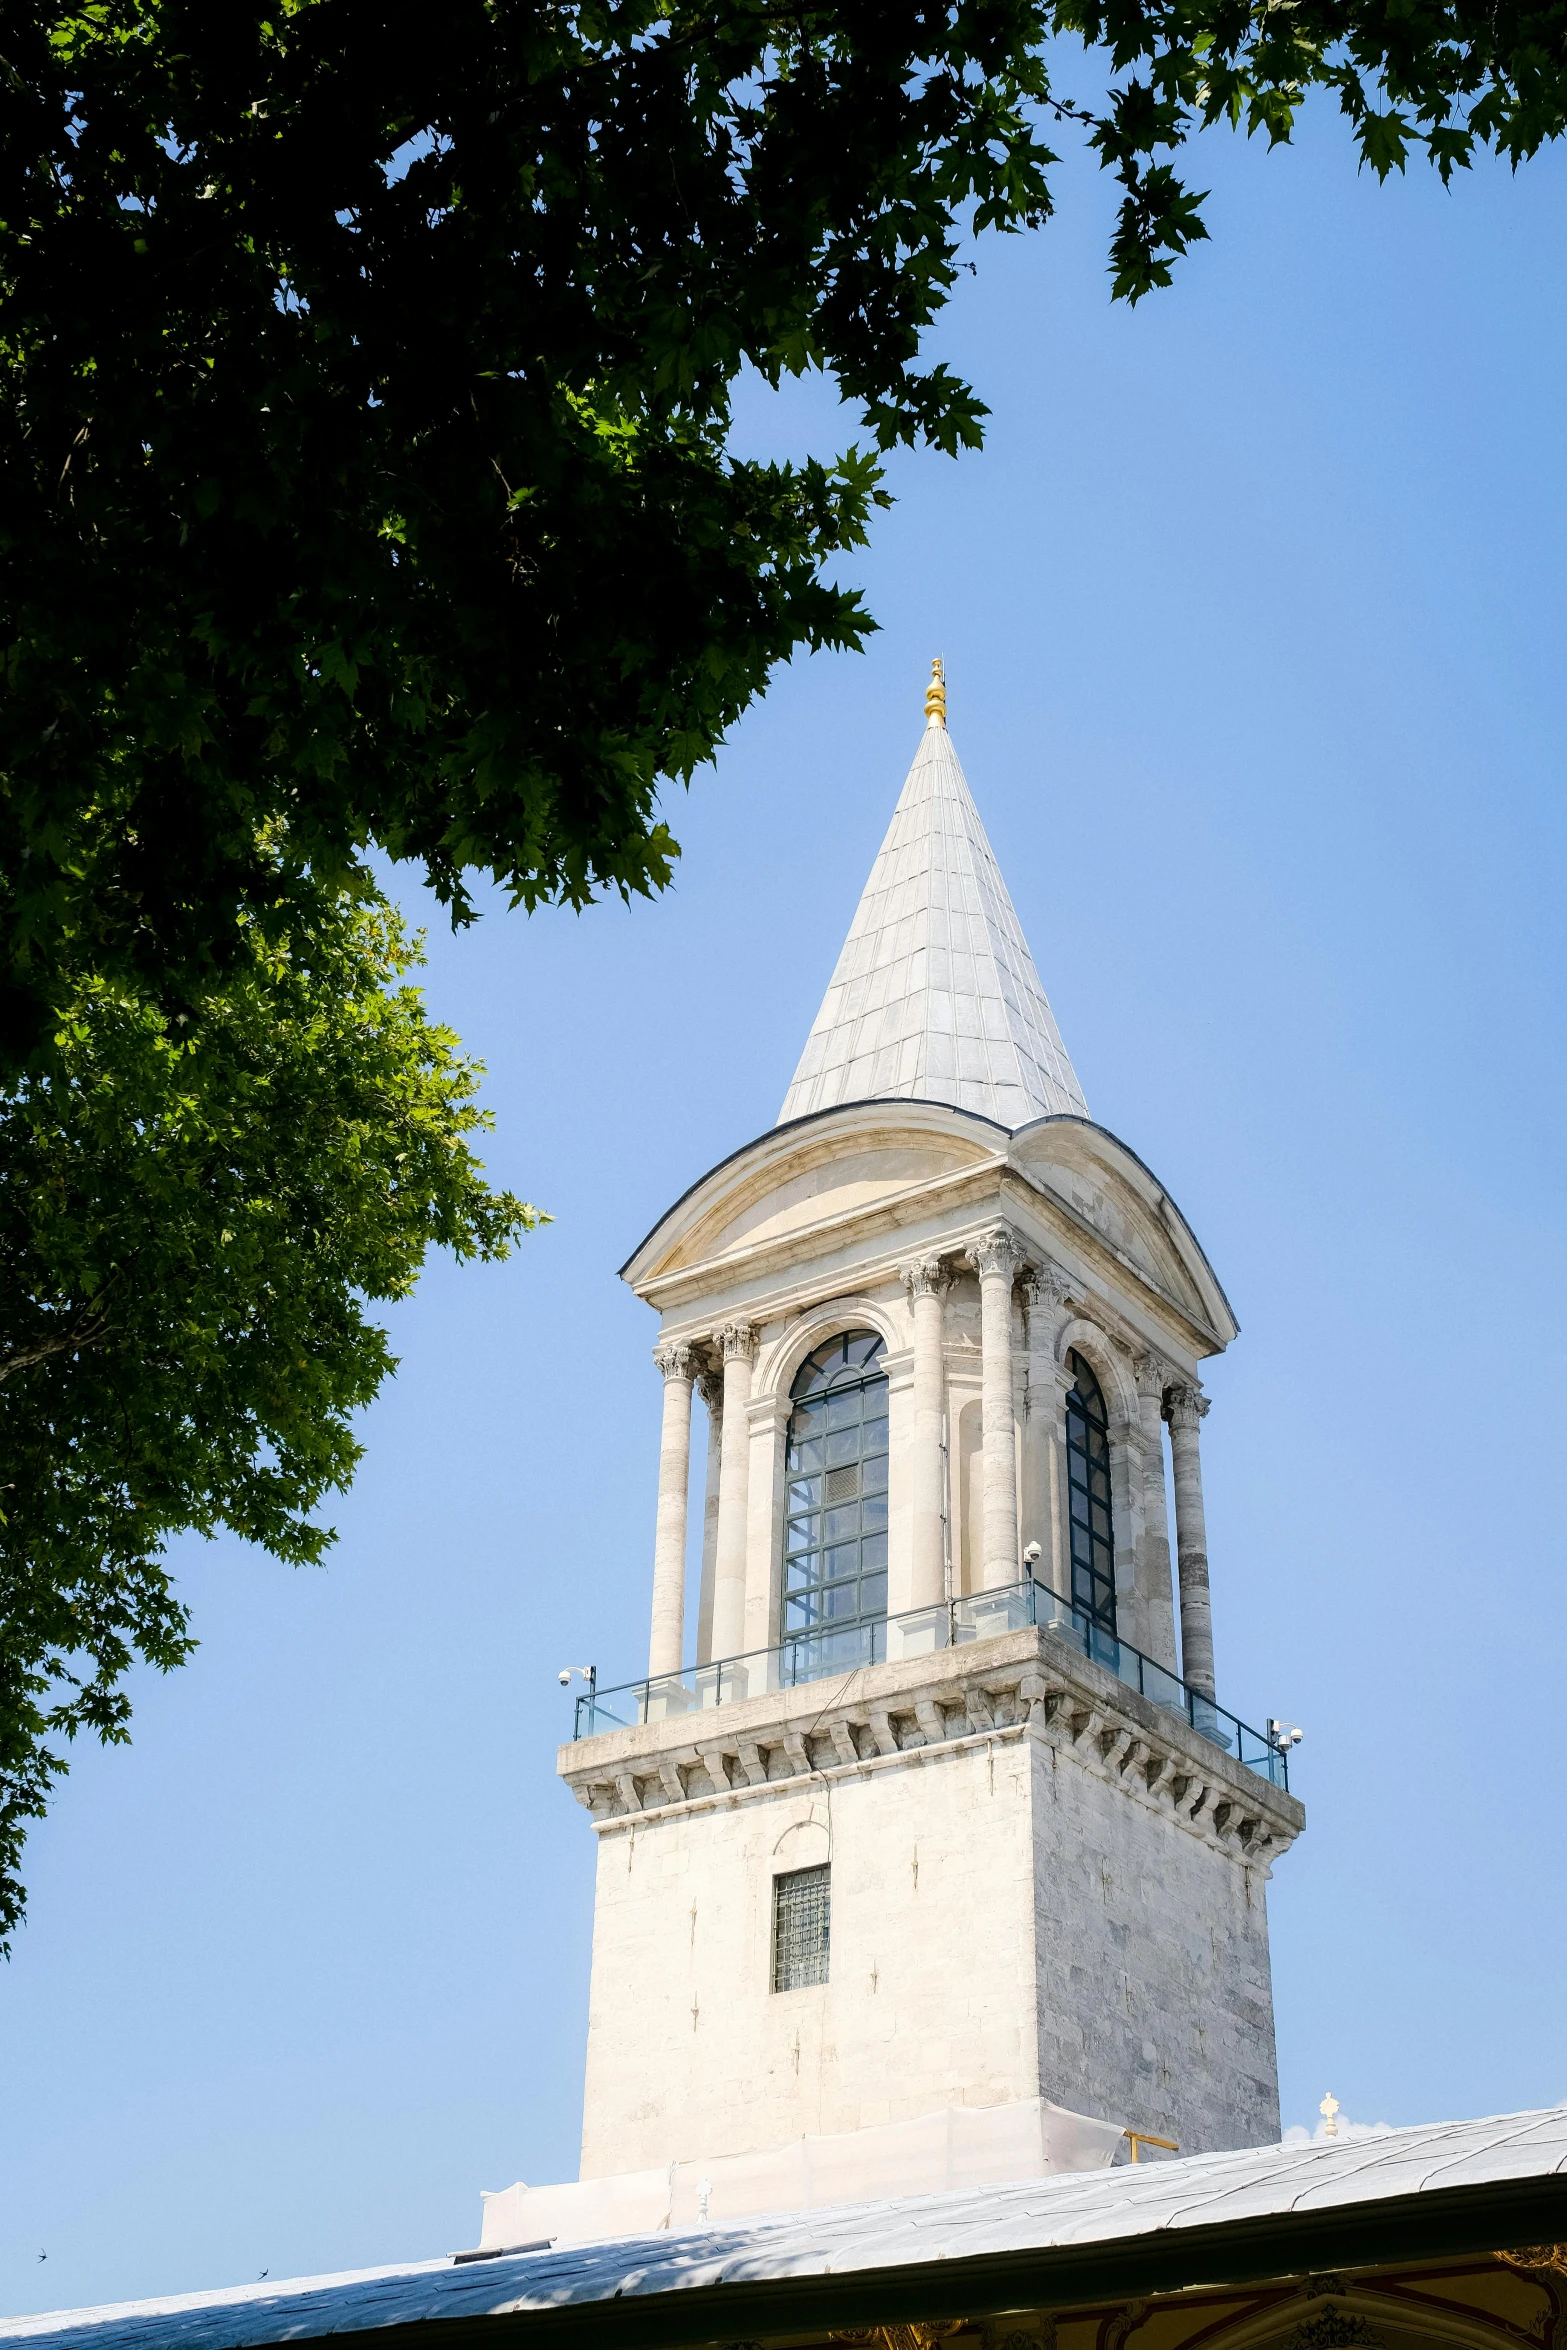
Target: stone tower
932 1810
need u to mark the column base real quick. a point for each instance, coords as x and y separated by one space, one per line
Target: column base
721 1684
919 1633
666 1697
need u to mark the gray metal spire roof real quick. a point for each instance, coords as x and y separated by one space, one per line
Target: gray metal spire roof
935 998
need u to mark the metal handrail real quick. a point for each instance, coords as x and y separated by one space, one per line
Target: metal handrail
822 1650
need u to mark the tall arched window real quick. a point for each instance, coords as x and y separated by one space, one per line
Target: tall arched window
835 1531
1088 1482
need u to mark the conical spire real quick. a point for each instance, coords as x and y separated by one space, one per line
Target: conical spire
935 997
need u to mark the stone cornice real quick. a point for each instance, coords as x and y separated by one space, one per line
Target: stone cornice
841 1282
910 1713
990 1184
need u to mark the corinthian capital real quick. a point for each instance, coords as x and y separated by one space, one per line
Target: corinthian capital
674 1359
1049 1284
996 1252
1153 1376
738 1342
1185 1405
926 1277
710 1387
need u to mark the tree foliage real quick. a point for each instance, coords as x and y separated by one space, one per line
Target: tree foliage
195 1210
369 371
364 480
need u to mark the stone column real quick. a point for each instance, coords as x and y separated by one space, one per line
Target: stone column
766 1451
669 1542
737 1342
1047 1407
996 1258
1184 1407
925 1281
1152 1378
711 1387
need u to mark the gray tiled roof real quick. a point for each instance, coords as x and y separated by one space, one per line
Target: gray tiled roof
935 998
937 2233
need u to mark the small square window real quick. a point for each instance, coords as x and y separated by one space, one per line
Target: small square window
802 1903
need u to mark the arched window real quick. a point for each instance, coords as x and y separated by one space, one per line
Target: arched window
1088 1482
835 1531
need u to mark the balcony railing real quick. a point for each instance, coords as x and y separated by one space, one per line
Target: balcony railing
817 1654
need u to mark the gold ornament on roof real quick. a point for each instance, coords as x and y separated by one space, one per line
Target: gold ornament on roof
936 693
1537 2257
921 2334
1329 2112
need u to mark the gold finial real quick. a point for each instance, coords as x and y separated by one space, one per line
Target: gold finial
936 693
1329 2112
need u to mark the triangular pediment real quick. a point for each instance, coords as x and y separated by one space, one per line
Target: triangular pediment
1109 1193
810 1178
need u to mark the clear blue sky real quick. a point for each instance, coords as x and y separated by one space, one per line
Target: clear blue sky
1253 614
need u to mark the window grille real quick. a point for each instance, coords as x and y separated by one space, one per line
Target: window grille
1088 1486
802 1903
835 1527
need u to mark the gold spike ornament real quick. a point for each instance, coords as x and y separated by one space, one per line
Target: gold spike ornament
936 693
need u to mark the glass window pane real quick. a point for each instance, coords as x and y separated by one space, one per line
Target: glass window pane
801 1928
835 1551
1091 1525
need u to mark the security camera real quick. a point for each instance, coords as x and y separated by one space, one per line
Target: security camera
565 1679
1033 1552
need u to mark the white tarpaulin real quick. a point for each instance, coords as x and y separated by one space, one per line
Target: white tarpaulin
964 2146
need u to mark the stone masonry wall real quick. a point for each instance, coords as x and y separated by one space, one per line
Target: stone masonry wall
1049 1909
1154 1999
929 2002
